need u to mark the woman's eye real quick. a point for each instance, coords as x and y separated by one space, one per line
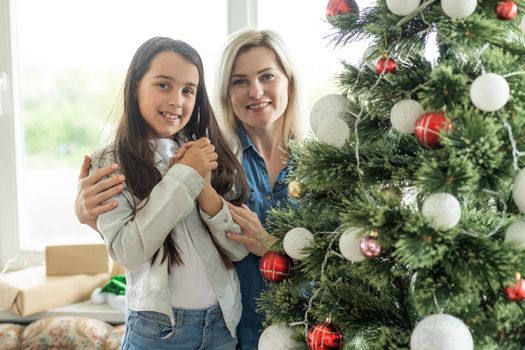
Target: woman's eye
189 91
239 82
164 85
267 76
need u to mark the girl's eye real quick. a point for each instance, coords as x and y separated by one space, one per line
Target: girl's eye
164 85
189 91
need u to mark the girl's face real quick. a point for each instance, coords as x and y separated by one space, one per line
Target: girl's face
258 88
166 93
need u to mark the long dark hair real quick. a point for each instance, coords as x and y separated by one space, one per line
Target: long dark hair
134 150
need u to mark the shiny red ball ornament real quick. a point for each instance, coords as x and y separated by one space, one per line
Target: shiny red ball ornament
428 127
516 292
325 336
506 10
340 7
275 266
386 65
370 246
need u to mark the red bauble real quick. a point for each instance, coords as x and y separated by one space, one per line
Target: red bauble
428 127
517 292
506 10
325 336
386 65
370 247
340 7
275 266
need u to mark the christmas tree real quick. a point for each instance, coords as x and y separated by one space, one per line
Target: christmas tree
410 229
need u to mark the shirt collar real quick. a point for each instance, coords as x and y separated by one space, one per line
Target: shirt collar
243 137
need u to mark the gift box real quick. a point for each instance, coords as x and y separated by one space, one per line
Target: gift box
89 259
30 291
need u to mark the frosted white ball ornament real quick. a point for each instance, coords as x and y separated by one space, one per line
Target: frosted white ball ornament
516 234
328 106
404 115
459 8
295 241
518 190
489 92
442 211
333 131
443 332
277 337
350 244
402 7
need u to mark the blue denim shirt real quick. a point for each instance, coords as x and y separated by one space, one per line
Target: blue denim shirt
261 198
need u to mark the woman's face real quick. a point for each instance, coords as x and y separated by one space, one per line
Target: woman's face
166 93
258 89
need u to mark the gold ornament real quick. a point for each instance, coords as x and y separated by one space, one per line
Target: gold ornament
296 189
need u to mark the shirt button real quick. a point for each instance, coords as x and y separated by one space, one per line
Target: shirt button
225 220
268 198
280 182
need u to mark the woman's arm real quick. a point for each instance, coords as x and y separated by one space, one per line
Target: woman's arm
94 192
253 236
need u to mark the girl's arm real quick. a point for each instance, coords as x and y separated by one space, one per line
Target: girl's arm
219 224
132 240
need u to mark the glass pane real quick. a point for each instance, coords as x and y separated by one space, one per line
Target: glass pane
304 27
72 58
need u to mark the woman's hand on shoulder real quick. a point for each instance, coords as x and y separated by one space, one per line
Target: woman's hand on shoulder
93 190
253 236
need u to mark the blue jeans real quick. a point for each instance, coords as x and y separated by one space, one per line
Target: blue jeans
194 329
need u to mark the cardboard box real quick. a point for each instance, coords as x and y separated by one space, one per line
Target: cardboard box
89 259
30 291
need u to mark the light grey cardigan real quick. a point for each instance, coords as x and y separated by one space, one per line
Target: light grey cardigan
172 205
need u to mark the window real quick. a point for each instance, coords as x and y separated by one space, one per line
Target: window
70 59
64 63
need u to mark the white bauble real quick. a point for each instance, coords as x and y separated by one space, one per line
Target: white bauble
329 106
522 24
333 131
518 190
459 8
117 302
516 234
489 92
443 332
277 337
442 211
402 7
98 297
404 115
295 241
350 244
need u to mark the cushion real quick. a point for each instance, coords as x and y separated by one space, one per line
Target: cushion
66 333
10 335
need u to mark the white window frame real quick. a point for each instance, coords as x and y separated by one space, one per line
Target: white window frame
241 13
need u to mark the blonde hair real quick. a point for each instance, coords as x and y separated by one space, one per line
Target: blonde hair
241 41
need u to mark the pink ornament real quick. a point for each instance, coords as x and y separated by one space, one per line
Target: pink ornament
370 247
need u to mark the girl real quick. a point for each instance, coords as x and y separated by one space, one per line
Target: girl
182 292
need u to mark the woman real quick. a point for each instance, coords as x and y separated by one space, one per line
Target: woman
259 111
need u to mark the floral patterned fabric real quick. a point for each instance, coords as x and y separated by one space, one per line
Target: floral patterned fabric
10 336
61 333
